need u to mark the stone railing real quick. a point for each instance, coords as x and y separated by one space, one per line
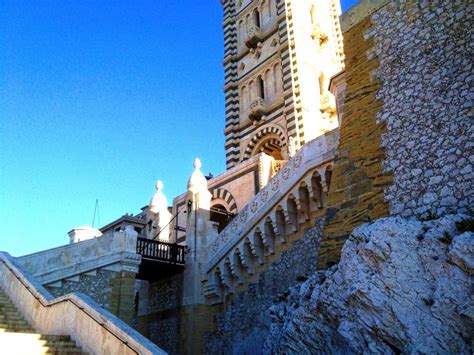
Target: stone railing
254 35
276 211
257 104
94 329
67 261
257 110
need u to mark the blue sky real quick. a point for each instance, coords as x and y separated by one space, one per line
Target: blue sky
98 100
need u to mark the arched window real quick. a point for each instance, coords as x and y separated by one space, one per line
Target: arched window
221 216
252 91
270 85
278 81
248 23
244 98
312 13
256 17
264 11
240 32
321 84
261 88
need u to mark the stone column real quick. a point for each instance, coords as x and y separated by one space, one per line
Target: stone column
198 227
196 316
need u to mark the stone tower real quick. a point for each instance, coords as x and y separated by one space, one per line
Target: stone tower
277 72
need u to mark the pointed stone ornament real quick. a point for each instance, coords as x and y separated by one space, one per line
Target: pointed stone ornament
158 202
197 182
198 227
159 214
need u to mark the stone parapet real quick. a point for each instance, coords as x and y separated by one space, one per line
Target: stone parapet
116 253
96 330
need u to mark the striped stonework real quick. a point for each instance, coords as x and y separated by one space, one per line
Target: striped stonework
230 84
223 194
278 35
241 135
269 131
290 74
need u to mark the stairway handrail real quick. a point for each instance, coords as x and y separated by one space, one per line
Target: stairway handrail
246 219
113 325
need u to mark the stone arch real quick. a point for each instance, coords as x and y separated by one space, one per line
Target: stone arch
327 177
304 201
312 14
277 78
269 85
261 86
257 20
226 198
216 280
269 234
244 98
223 208
317 189
292 212
280 222
269 134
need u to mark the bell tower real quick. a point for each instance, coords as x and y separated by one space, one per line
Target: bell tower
277 72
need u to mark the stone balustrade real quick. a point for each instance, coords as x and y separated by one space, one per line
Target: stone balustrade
274 213
56 264
257 110
254 35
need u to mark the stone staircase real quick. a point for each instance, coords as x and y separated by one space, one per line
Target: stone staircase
18 337
278 215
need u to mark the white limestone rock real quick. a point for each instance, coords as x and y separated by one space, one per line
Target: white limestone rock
401 286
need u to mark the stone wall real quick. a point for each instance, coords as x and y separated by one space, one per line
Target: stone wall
160 320
406 137
163 294
242 327
95 286
110 289
425 50
356 191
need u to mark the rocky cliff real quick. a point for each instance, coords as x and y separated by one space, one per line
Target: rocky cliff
401 286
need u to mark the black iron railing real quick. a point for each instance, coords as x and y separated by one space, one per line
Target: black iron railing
162 251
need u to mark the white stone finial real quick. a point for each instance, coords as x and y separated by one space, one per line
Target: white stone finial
197 182
158 202
197 164
159 185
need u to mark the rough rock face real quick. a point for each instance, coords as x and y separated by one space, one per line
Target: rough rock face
401 286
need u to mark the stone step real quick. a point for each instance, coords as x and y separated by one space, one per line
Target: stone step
17 330
8 309
37 344
13 322
18 337
52 349
54 337
10 317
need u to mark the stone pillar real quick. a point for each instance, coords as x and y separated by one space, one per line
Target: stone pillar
122 284
198 227
159 214
196 318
